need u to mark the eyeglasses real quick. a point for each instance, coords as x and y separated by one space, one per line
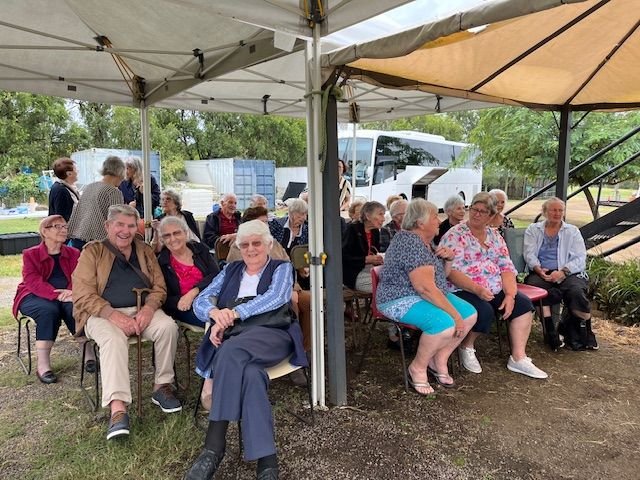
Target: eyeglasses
475 211
254 244
168 235
59 226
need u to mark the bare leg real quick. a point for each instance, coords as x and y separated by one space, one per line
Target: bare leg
519 330
470 340
429 344
43 350
441 357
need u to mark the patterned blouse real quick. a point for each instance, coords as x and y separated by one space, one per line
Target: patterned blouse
483 264
506 223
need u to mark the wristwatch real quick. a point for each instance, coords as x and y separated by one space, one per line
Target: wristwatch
566 271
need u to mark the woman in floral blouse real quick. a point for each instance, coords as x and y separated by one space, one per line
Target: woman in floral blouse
483 275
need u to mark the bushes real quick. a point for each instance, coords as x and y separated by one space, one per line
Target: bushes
19 188
616 288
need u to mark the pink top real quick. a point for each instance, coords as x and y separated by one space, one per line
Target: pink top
484 265
188 275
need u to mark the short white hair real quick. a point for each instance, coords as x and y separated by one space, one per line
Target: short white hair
251 228
497 191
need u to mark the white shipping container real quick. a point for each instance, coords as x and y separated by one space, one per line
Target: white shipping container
284 175
198 201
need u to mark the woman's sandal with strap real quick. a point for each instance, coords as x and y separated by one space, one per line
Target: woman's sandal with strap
417 385
438 377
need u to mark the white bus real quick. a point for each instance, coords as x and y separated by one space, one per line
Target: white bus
416 164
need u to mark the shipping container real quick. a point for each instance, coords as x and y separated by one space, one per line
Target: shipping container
245 178
89 163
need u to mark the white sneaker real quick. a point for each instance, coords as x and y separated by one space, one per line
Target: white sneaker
469 359
525 367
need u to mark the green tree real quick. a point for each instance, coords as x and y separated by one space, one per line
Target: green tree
97 119
440 124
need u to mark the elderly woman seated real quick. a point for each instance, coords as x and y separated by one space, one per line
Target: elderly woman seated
187 267
454 209
556 256
246 290
411 290
291 230
394 225
484 275
45 291
171 204
499 221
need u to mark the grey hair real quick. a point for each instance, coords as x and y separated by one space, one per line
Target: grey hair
257 197
452 202
487 200
173 220
549 201
226 197
175 197
113 166
122 209
298 205
393 209
418 211
254 227
497 191
369 208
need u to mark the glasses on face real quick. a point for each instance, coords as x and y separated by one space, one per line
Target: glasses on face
254 244
478 211
59 226
168 235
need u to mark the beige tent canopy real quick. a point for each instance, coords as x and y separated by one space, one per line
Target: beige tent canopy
583 55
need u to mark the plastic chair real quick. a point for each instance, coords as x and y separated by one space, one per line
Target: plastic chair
377 316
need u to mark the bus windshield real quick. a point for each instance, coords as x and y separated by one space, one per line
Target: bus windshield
363 157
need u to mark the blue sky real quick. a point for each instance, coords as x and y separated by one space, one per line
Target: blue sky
402 18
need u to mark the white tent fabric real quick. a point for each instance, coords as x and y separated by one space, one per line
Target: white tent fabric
582 55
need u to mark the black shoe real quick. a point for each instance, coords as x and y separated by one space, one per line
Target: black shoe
205 466
271 473
118 425
592 343
47 377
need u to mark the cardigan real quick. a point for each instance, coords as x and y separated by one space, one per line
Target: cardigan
61 200
37 266
130 193
354 251
204 262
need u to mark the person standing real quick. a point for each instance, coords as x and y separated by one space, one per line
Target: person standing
87 220
344 187
133 184
64 195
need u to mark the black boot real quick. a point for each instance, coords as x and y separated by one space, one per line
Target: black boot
552 337
574 332
205 466
592 343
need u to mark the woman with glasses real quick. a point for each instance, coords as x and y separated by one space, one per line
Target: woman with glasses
45 291
171 205
483 274
187 266
256 285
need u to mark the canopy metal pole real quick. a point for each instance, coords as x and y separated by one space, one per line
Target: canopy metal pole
564 153
146 168
354 151
314 109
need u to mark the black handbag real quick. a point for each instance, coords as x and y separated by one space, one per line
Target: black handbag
278 318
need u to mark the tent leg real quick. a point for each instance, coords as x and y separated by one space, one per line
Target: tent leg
564 154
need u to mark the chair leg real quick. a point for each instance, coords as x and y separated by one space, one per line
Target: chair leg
404 359
187 347
365 349
139 393
93 403
26 368
197 407
499 329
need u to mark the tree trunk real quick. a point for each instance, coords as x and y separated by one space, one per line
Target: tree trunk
589 197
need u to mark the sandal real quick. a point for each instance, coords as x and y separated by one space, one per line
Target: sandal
417 385
438 377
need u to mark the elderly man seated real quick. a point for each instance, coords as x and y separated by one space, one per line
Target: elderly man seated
105 303
222 224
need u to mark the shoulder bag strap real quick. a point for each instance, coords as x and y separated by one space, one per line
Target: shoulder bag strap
119 255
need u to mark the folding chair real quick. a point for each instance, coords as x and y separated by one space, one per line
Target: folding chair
221 250
27 320
184 329
91 343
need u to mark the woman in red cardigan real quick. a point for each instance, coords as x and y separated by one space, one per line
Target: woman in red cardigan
45 291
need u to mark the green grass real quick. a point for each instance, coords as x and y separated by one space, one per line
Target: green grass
11 266
6 318
19 225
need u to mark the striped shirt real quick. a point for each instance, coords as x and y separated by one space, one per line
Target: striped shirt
90 213
278 294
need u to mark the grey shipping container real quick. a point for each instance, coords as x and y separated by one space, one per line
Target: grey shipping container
233 175
90 161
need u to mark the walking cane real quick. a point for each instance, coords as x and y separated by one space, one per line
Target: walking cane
139 292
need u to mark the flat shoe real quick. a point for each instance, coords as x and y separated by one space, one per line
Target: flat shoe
90 366
47 377
417 385
439 376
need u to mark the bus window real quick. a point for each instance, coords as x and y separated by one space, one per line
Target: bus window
363 158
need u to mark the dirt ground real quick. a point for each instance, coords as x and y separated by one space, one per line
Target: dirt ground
581 423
